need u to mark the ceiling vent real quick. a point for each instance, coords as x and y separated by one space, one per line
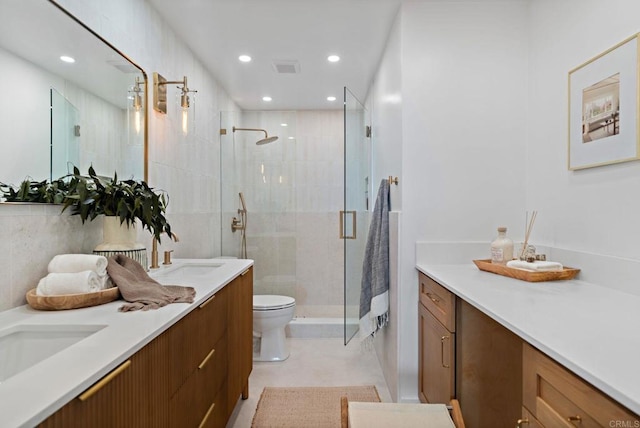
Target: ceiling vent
286 67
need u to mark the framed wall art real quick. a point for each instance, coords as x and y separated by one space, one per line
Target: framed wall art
603 108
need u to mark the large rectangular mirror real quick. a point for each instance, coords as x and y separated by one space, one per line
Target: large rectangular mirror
56 114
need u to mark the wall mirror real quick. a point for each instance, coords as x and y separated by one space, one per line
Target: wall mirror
56 114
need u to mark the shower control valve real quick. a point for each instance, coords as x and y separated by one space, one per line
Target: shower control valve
236 224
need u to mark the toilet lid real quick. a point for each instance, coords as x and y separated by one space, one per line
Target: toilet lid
267 302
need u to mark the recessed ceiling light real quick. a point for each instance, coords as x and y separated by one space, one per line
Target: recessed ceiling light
291 138
333 58
284 124
331 98
68 59
267 99
244 58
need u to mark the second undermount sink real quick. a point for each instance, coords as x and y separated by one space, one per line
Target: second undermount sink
25 345
191 270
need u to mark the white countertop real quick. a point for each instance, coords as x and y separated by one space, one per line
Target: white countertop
32 395
592 330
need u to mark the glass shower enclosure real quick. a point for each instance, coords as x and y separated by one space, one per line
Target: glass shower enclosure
294 188
355 216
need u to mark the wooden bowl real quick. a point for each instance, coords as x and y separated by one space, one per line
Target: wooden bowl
71 301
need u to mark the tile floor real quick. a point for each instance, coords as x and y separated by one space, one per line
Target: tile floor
313 362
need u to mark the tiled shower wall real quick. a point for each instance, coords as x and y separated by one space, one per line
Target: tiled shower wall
294 191
319 198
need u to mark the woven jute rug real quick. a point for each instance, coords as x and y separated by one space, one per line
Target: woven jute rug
307 407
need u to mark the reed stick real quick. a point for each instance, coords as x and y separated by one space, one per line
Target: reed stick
527 232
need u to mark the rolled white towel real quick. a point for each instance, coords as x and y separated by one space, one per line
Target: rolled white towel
105 282
71 263
56 284
537 266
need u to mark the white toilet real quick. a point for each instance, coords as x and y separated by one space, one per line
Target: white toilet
271 314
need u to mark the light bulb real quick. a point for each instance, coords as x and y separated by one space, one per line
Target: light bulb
137 121
185 121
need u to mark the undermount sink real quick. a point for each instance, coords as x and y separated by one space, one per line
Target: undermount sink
191 270
25 345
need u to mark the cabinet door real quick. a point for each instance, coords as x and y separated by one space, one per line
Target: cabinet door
240 337
436 359
489 370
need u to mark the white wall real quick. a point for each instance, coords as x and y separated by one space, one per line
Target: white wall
385 103
594 210
22 81
463 90
186 168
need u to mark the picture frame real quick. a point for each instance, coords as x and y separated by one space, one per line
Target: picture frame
604 103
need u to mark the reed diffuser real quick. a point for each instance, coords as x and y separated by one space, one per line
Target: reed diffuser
527 232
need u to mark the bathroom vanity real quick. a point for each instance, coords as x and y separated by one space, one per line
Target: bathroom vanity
180 365
533 354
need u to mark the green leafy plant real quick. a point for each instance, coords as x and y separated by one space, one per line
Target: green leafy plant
36 191
129 200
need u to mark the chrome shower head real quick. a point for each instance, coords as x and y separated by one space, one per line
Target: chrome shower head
265 140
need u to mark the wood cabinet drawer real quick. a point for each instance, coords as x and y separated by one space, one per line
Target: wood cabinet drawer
559 398
193 401
213 371
439 301
213 318
216 416
194 337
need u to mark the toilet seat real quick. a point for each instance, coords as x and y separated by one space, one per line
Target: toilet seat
272 302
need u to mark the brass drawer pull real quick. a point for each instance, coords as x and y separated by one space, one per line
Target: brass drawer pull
206 302
433 299
521 422
206 359
442 339
206 416
245 272
576 418
105 380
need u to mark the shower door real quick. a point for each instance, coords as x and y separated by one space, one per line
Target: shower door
354 219
65 141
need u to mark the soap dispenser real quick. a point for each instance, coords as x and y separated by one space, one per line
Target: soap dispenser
501 248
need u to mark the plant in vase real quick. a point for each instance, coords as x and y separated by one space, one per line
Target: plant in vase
123 203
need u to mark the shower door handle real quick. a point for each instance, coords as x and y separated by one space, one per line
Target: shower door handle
347 232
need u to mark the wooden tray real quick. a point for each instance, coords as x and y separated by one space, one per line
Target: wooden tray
71 301
525 275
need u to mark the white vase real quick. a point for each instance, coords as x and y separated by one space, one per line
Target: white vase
121 239
118 237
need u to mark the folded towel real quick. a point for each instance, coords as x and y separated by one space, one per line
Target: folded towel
69 263
537 266
140 290
56 284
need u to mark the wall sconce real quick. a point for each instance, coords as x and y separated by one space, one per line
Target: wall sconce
160 97
135 95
